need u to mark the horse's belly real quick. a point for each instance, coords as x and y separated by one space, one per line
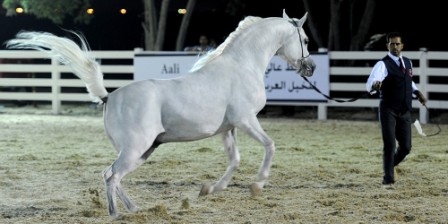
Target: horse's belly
192 131
166 137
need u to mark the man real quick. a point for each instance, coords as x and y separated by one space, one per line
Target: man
203 46
392 77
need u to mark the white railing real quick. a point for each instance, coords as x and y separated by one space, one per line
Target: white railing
56 96
422 69
11 75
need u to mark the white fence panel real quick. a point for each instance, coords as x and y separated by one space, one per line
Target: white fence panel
48 73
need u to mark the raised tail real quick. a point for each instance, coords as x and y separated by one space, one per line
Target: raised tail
66 51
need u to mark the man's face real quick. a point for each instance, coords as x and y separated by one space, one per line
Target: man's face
203 40
395 46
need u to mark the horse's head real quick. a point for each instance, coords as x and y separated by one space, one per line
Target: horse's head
295 49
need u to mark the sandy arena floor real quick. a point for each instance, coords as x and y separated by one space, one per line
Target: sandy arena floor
323 172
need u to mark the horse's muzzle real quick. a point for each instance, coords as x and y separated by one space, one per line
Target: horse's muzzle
306 67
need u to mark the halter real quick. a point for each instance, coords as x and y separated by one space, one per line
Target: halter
301 43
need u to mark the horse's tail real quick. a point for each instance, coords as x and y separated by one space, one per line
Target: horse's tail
66 51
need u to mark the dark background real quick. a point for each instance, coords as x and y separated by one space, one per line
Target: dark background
421 22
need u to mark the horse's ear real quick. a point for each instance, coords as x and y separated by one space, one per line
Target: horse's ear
284 14
303 19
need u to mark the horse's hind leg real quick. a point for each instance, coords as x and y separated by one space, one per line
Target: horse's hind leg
254 129
112 180
229 139
125 163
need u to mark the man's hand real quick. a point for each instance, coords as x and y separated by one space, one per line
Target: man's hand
420 97
377 85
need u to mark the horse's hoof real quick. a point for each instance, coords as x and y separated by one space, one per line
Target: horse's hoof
116 217
255 189
206 189
134 209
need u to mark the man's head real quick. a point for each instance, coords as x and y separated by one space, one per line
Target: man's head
394 43
203 40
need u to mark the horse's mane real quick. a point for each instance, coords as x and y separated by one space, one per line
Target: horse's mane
205 59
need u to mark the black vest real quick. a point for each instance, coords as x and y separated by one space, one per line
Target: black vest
396 89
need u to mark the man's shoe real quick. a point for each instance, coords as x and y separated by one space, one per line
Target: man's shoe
388 186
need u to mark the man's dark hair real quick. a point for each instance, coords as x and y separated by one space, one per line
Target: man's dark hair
392 35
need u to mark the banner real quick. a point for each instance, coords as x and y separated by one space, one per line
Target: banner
282 82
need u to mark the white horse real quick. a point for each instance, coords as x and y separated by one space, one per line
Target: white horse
223 91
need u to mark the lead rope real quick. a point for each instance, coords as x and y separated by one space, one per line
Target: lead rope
420 130
416 122
331 98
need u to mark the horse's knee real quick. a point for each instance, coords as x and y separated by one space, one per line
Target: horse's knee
269 144
272 145
235 158
270 148
235 163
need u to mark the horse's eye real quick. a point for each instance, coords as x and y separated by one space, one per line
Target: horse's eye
306 41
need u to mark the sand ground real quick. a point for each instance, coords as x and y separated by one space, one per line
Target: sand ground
323 172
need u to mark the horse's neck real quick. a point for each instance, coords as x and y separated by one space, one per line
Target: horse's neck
258 44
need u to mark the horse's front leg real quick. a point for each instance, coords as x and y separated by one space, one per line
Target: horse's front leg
254 129
263 173
229 139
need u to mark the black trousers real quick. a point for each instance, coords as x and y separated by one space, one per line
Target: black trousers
395 127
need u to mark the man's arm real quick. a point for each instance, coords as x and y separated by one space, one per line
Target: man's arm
376 77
